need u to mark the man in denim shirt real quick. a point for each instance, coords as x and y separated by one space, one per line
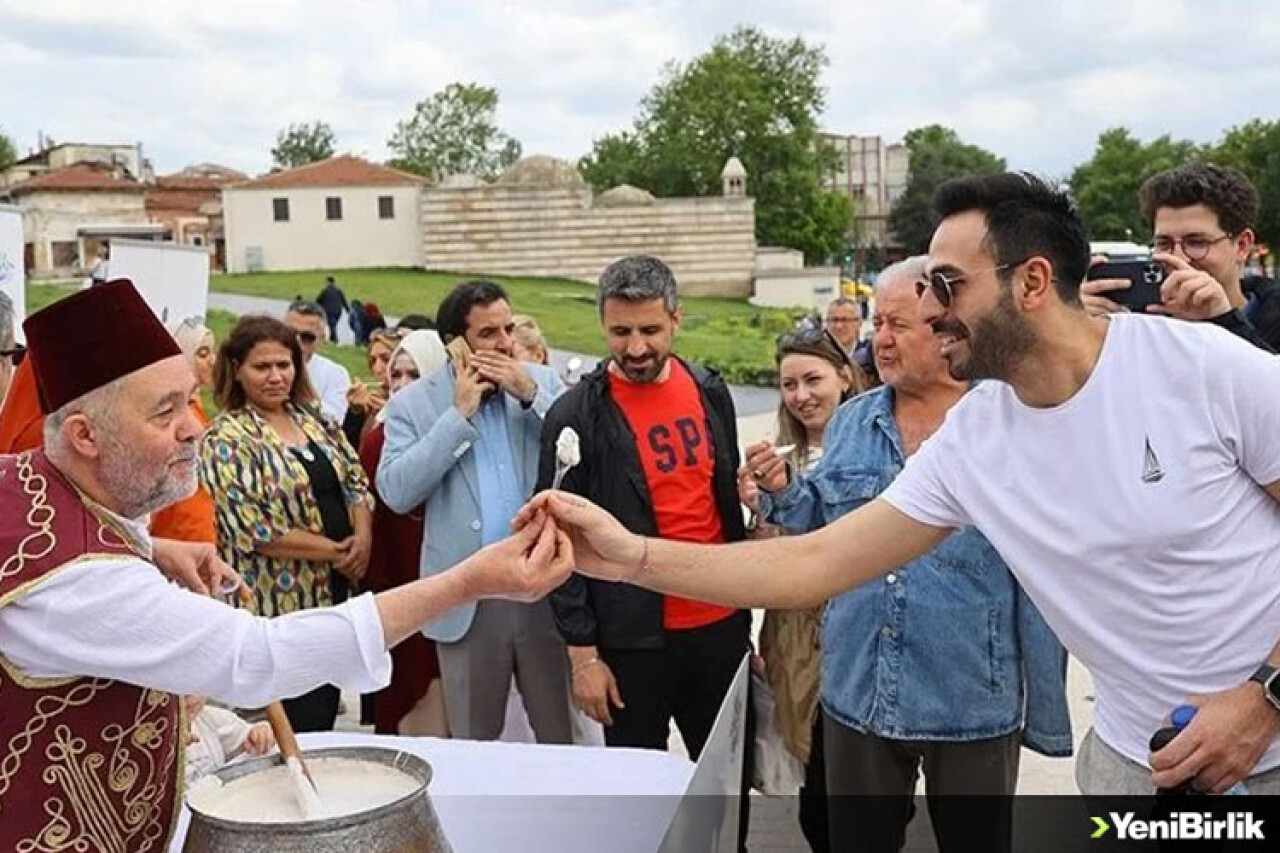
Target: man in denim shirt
933 666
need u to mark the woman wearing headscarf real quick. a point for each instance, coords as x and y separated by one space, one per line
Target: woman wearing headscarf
413 703
192 520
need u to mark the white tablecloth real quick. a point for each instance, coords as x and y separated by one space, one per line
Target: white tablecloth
494 797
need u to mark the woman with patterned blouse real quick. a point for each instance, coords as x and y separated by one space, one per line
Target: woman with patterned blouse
294 513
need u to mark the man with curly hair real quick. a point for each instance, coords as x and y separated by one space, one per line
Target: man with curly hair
1202 217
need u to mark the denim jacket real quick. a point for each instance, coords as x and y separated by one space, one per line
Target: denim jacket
946 647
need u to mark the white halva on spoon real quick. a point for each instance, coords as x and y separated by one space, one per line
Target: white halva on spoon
568 454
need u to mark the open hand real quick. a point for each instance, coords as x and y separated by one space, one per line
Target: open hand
602 546
1222 744
195 566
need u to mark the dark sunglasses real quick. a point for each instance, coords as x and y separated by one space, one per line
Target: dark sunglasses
308 337
810 338
942 286
15 355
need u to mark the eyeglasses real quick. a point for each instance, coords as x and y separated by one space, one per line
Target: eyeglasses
942 286
308 337
1195 247
15 355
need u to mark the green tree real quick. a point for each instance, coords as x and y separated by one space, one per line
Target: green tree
8 150
1106 187
303 143
937 154
454 131
1254 148
752 96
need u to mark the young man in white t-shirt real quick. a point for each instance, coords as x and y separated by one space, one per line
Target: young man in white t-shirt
1127 470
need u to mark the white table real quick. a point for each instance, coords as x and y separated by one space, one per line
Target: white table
536 799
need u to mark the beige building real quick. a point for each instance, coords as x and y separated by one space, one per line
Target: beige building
126 160
343 212
874 176
541 219
68 213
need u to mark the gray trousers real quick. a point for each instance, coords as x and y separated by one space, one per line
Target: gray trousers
507 638
1102 771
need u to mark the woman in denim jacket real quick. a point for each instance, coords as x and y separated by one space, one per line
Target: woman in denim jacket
943 665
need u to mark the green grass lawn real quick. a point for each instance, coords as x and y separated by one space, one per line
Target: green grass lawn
729 334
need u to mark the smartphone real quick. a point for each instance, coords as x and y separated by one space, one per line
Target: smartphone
459 352
1145 278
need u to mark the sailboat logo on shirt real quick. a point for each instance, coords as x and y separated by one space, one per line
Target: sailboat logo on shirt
1151 470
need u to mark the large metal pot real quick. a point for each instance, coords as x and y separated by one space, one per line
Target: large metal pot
408 824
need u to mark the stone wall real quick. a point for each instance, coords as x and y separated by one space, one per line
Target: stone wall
51 222
563 231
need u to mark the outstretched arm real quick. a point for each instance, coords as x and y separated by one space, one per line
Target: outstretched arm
864 545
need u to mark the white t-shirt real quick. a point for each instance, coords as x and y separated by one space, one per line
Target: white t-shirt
1133 514
332 382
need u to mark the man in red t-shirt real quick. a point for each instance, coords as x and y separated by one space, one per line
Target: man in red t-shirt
660 451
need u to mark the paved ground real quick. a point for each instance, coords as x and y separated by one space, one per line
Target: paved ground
774 825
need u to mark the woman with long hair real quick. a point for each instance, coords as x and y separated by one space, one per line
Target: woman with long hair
293 509
814 377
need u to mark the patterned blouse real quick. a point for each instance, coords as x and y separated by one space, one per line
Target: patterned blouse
261 492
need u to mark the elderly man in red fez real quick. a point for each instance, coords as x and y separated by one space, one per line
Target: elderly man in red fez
96 645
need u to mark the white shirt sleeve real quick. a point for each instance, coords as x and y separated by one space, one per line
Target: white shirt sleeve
332 382
1244 398
923 491
121 619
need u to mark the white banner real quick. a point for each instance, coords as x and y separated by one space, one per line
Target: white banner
172 278
13 278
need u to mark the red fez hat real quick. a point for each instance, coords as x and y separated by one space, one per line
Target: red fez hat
92 338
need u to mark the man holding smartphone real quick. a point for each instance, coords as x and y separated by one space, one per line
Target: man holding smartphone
1201 216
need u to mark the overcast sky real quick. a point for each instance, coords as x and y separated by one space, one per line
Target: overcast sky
213 82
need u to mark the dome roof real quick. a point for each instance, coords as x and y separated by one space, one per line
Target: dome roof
539 170
624 196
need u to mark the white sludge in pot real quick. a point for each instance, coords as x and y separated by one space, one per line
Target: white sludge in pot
346 786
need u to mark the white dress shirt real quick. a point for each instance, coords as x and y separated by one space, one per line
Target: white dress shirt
119 618
332 382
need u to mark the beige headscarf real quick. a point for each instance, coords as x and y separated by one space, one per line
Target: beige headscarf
191 334
427 351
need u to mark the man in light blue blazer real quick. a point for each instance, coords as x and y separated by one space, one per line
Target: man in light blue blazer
464 441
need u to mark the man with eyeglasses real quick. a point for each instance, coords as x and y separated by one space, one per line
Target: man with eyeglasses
330 379
1201 216
1127 469
10 352
844 322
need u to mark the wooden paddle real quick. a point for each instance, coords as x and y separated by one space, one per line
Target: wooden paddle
286 740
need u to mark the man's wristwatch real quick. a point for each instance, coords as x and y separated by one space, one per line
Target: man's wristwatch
1269 678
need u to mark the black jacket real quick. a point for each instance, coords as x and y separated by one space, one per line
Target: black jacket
611 615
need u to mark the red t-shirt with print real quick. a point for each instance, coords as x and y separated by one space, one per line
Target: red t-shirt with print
676 453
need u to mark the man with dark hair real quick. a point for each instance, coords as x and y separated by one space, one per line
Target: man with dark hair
330 380
334 302
1202 217
1126 469
659 448
464 442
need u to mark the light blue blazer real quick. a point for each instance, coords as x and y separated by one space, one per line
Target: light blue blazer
428 459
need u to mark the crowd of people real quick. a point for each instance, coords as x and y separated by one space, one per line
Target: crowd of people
993 478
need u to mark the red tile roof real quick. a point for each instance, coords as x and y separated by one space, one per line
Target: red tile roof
183 193
343 171
82 177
